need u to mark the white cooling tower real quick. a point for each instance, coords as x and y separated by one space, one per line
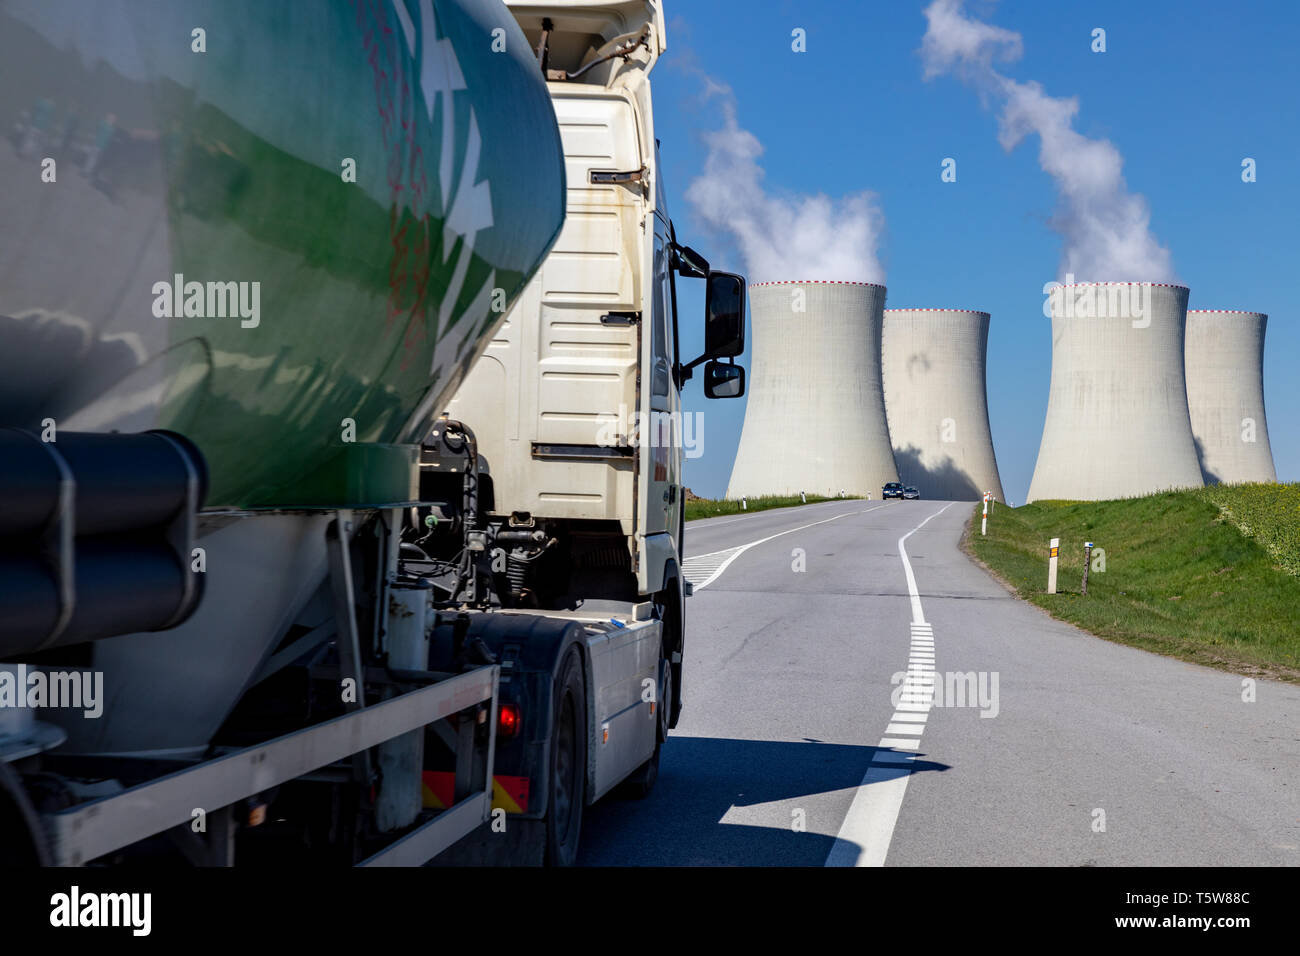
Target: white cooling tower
815 418
932 365
1117 422
1225 393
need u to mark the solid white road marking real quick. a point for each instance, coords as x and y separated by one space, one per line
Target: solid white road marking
918 614
868 827
704 569
715 522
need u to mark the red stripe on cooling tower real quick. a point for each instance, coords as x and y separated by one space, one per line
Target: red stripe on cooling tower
754 285
962 311
1159 285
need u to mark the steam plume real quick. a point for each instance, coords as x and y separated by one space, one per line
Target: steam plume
1106 229
782 237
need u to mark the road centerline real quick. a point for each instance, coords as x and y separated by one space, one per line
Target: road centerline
868 827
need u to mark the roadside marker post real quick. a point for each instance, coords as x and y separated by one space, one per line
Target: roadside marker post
1087 561
744 504
1052 552
984 521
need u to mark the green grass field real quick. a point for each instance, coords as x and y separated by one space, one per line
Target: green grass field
711 508
1210 575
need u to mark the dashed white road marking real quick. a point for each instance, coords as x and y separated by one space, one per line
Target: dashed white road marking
702 570
904 729
868 827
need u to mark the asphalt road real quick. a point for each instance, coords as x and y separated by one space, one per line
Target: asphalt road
790 750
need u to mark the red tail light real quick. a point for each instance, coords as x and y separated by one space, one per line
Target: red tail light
508 719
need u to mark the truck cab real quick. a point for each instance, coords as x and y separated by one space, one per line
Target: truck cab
575 415
577 401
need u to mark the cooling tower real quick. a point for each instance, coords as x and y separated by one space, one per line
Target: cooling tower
1225 394
1117 422
932 365
815 419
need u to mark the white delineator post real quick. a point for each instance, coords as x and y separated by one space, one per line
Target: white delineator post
984 521
1051 565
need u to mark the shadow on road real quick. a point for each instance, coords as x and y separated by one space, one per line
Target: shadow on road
702 778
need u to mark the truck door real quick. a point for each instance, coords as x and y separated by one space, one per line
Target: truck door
664 425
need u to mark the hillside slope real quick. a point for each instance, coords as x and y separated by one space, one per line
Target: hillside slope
1210 575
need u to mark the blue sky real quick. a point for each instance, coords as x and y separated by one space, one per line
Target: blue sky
1185 91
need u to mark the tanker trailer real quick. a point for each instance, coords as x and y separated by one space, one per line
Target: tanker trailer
248 249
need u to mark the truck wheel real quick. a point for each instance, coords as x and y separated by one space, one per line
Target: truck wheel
672 610
568 770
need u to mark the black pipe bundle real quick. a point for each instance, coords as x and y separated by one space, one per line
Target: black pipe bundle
95 535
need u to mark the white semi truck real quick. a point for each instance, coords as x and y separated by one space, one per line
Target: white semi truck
575 410
379 575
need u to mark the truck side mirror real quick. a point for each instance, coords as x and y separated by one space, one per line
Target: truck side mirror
723 381
724 315
689 263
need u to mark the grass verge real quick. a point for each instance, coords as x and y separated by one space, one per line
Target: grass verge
1209 575
710 507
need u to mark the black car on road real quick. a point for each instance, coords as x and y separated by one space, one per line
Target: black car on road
892 489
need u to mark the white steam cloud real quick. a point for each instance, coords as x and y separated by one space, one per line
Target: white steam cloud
1107 229
796 237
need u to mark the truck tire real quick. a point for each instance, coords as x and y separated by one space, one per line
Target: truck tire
567 779
673 609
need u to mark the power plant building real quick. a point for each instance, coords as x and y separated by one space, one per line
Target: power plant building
933 368
1117 422
815 418
1225 395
